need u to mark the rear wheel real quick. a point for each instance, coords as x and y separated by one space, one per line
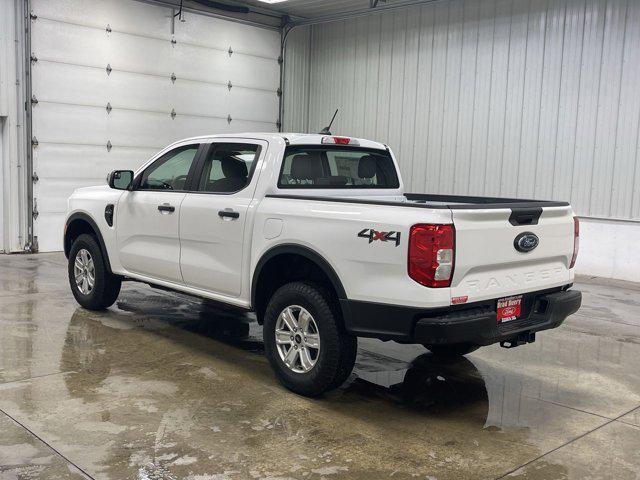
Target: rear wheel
91 284
304 341
452 350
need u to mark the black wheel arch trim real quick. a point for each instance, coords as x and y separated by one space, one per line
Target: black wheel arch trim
92 223
310 254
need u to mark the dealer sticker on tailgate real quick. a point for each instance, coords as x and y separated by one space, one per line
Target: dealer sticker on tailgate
509 308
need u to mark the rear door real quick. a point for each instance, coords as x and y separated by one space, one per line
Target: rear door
213 217
490 264
147 218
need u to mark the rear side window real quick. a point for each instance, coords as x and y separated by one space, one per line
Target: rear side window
229 167
337 167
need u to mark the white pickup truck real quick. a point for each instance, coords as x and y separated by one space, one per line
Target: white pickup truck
316 234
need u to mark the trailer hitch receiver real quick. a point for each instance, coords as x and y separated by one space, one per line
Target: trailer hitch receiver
520 339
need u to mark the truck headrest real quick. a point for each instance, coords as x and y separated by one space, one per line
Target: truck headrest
233 168
367 166
306 167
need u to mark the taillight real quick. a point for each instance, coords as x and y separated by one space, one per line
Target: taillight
431 254
576 241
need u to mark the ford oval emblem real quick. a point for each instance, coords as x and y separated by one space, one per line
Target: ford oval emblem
526 241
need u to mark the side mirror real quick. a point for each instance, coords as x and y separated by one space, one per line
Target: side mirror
120 179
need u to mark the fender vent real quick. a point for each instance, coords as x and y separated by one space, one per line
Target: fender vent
108 214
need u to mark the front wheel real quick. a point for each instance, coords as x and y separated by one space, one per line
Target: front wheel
304 340
91 283
452 350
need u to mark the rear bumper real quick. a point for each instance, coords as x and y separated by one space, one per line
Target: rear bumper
475 324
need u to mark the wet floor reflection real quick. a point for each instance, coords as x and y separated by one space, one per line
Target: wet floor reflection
429 383
168 386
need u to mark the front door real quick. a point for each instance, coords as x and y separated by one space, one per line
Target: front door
214 216
147 218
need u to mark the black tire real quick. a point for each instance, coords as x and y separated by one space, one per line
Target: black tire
338 349
452 350
106 285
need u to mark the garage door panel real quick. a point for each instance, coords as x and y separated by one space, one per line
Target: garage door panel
72 84
63 83
54 161
56 123
217 33
254 105
52 193
62 42
197 98
78 45
50 228
121 15
215 66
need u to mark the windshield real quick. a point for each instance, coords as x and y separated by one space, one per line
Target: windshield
331 166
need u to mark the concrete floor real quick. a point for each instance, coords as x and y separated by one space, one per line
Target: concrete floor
164 386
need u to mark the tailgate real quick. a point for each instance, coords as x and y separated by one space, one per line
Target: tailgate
487 262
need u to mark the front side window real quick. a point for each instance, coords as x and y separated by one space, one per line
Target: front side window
170 171
337 167
228 167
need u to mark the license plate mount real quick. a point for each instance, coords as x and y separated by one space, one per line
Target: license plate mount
509 309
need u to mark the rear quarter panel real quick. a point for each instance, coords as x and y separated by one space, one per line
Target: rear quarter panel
373 271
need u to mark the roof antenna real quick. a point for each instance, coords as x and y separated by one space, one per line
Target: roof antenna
326 130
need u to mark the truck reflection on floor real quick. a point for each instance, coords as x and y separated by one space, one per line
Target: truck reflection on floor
99 344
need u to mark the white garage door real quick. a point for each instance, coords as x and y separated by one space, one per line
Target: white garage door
116 81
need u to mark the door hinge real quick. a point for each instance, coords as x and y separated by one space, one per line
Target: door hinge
34 212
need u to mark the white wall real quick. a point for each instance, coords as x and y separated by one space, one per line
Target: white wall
609 249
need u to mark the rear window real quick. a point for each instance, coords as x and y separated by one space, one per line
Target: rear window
337 167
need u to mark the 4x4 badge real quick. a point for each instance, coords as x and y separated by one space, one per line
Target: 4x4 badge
374 235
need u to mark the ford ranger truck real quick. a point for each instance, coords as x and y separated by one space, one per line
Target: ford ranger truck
317 236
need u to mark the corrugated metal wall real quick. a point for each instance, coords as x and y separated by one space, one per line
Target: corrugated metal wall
296 70
533 98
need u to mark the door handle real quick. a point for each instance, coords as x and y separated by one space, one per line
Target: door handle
165 207
228 214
